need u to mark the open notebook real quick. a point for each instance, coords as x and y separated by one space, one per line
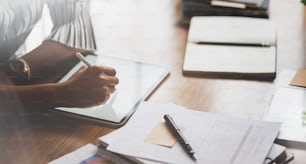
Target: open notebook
137 81
231 47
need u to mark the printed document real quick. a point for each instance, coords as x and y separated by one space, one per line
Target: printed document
215 138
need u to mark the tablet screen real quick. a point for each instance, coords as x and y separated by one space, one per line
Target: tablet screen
137 81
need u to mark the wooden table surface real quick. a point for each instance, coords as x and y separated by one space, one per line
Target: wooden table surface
148 31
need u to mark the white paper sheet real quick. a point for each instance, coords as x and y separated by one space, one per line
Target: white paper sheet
77 156
287 106
215 138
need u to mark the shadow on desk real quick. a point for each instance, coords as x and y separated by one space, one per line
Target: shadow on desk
24 136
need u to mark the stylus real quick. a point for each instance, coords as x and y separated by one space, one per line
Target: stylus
83 59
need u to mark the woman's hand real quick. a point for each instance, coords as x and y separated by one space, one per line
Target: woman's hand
89 86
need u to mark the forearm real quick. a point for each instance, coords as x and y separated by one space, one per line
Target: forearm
89 86
50 61
40 95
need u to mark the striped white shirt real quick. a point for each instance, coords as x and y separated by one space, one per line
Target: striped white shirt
71 23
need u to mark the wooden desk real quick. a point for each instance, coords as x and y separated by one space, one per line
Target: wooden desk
147 31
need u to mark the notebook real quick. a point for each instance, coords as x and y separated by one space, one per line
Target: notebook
137 81
250 3
231 47
191 8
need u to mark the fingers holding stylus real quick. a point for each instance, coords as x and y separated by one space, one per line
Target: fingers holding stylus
100 70
90 85
108 80
108 70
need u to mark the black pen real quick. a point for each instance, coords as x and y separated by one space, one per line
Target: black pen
179 136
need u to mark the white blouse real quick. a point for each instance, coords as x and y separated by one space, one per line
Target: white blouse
71 23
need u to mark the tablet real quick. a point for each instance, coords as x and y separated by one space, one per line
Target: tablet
137 81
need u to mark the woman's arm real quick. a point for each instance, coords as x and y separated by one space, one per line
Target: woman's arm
28 96
50 61
88 87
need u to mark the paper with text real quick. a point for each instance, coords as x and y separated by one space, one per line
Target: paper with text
288 106
215 138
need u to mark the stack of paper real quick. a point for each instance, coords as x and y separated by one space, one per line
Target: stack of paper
289 107
215 138
90 154
278 155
